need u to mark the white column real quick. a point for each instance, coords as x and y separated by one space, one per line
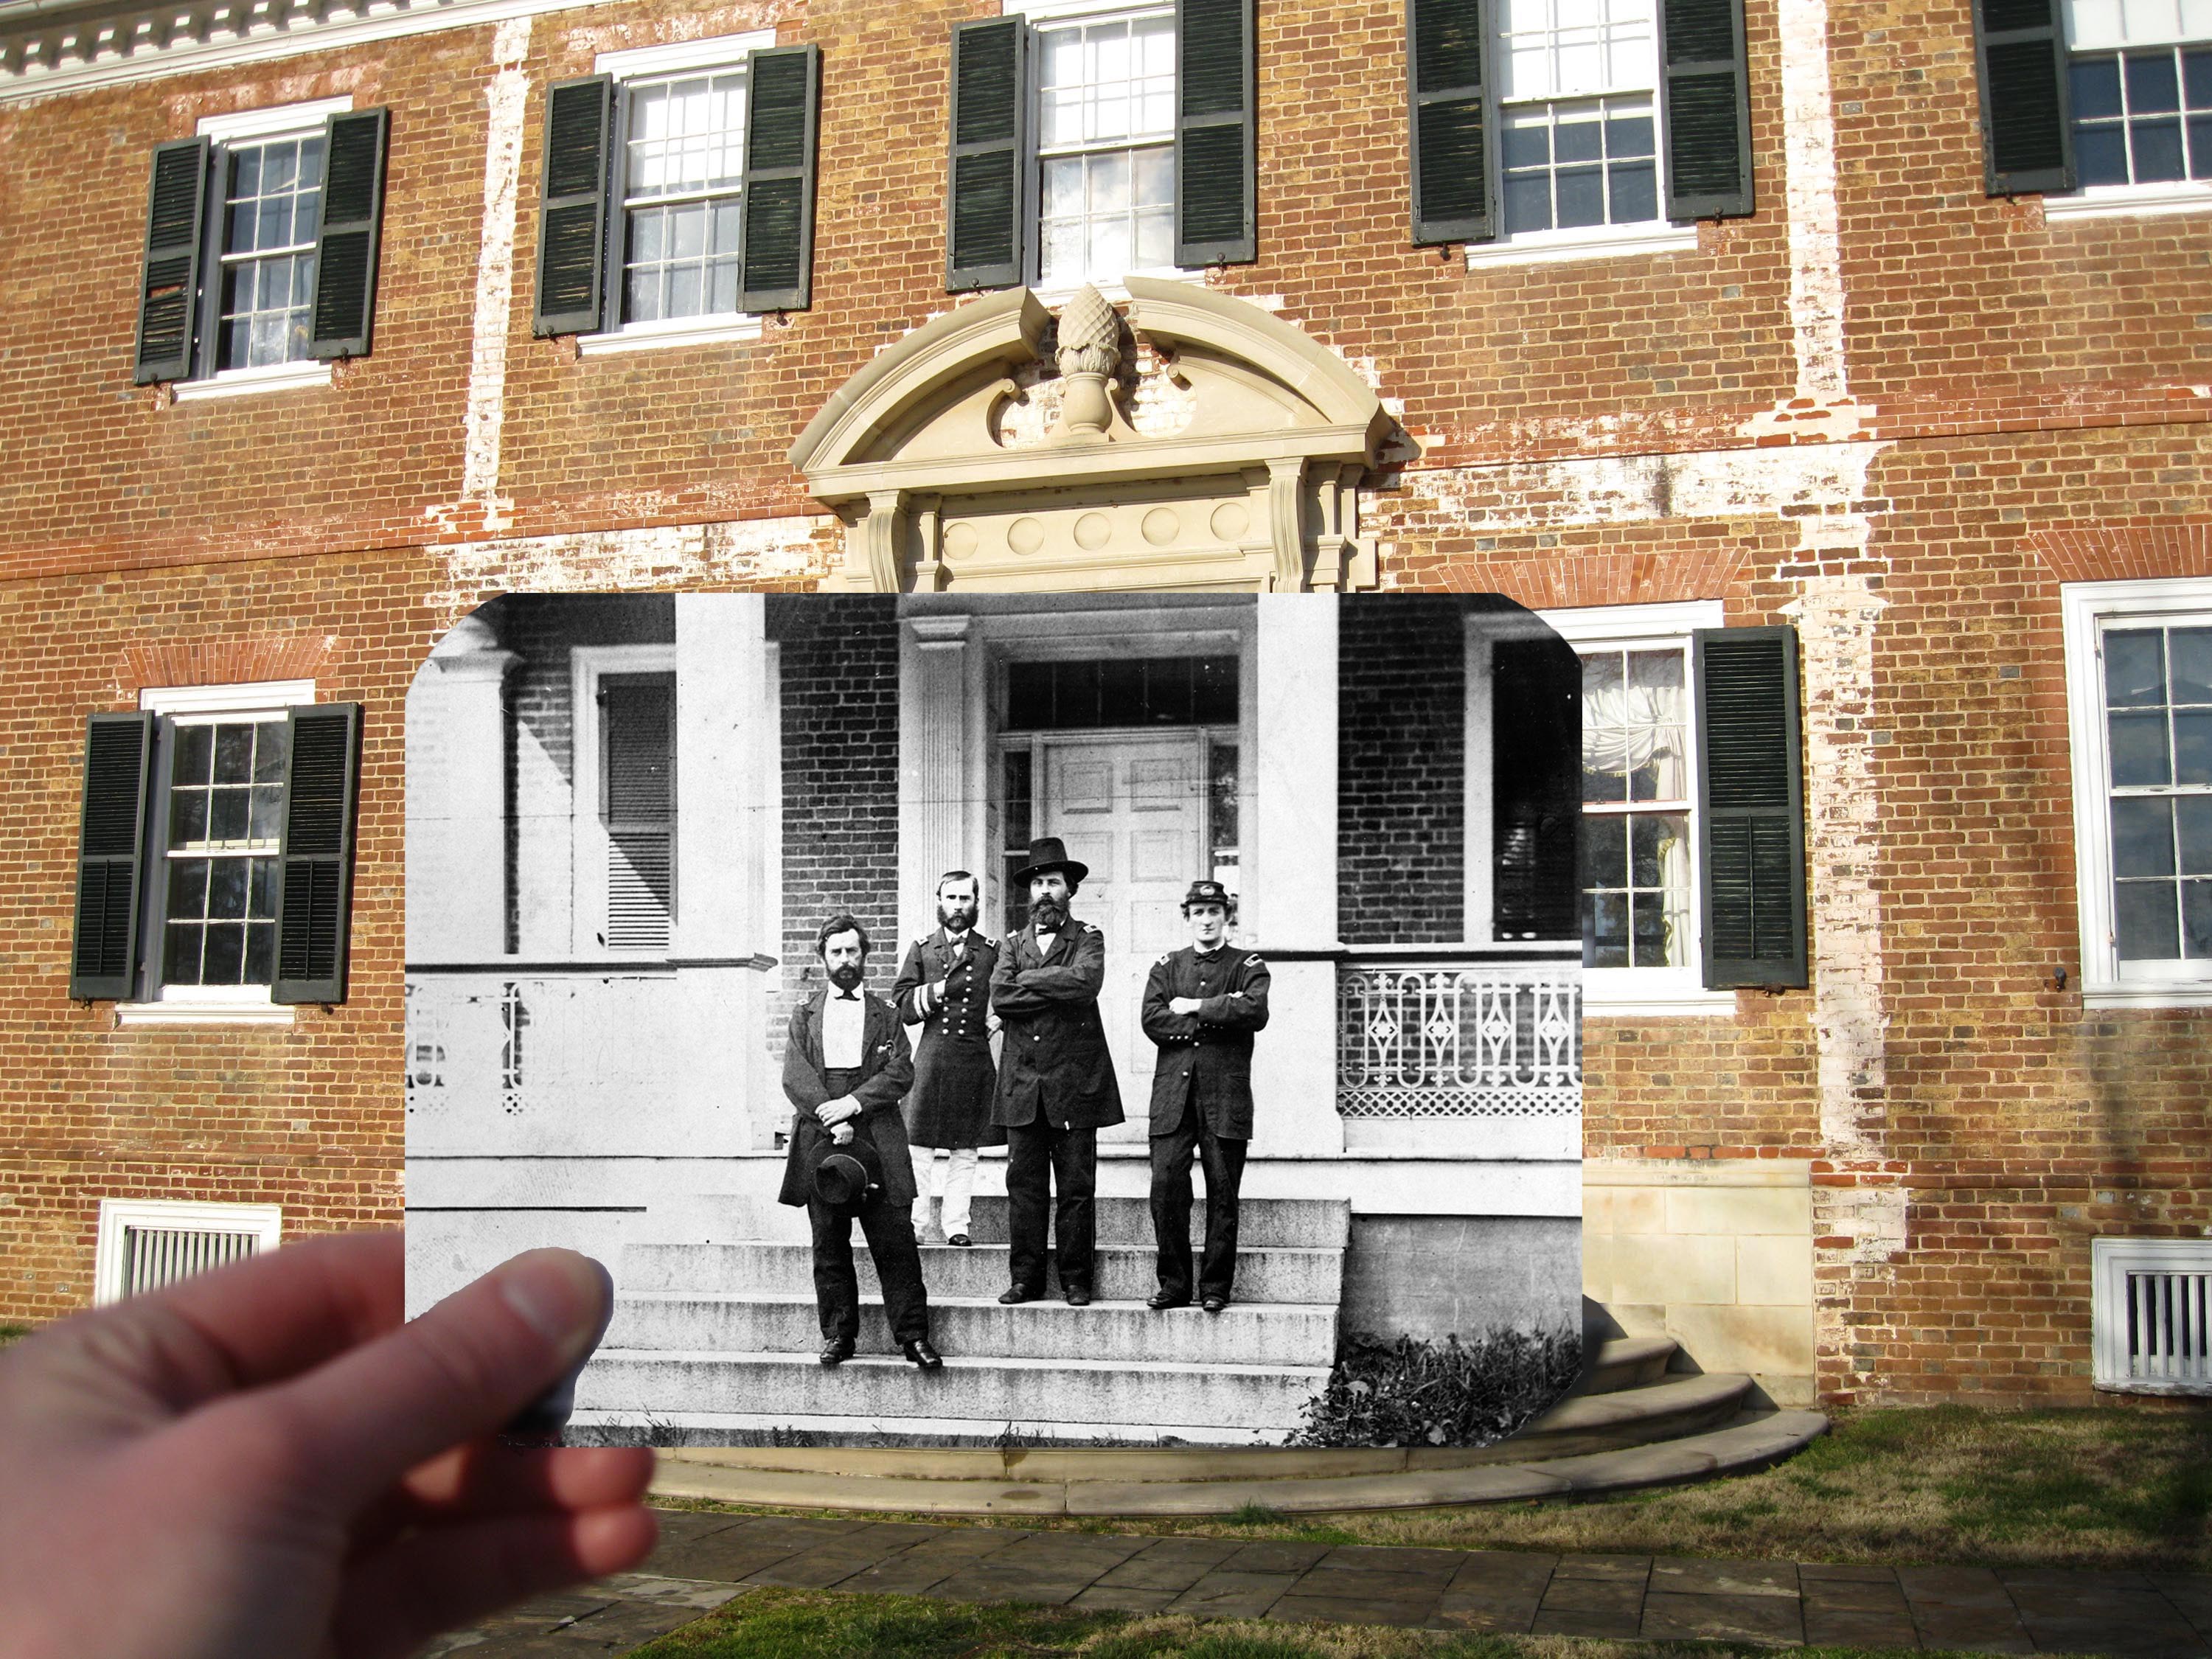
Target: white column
940 826
457 799
726 751
1288 899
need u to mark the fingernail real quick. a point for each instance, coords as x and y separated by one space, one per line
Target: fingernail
565 1297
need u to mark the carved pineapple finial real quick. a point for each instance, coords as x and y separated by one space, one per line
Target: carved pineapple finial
1090 351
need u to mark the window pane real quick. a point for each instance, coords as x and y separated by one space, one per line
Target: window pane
1604 930
2094 83
233 754
2133 669
188 881
2153 86
188 817
1604 850
195 760
2193 828
2188 651
2144 924
272 744
2142 837
227 814
1655 840
2100 156
227 883
261 896
2139 751
2157 152
260 953
180 963
1635 194
2197 920
224 959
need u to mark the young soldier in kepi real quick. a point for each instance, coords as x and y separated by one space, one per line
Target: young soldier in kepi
1202 1005
944 987
846 1067
1056 1087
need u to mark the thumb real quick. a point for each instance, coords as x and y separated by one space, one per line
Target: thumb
461 1371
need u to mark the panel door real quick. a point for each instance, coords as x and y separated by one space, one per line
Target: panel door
1133 809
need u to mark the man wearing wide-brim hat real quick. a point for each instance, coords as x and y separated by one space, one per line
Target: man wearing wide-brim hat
1056 1087
1202 1005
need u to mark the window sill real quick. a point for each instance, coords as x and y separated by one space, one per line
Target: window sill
203 1013
239 382
653 337
1112 290
1599 242
2146 996
2131 201
1648 1000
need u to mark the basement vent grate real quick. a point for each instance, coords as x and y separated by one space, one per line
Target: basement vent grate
2151 1315
147 1243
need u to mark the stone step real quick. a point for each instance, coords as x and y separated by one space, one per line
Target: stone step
1629 1362
1301 1223
1054 1482
872 1394
1278 1334
1125 1272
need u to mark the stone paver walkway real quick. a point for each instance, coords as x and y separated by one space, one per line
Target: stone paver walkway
705 1559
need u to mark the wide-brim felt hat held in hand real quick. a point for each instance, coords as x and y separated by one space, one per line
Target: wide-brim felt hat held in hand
1048 853
847 1174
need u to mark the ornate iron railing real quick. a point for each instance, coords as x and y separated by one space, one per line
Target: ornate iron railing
485 1044
1443 1039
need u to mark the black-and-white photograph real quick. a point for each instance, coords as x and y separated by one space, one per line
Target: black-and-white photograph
1011 1020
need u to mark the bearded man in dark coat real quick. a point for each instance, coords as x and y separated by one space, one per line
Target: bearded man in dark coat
846 1067
944 987
1056 1087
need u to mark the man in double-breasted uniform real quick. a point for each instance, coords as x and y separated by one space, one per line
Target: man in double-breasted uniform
846 1067
944 987
1056 1087
1202 1005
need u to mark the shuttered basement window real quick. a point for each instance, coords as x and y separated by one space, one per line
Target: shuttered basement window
147 1243
637 774
2151 1315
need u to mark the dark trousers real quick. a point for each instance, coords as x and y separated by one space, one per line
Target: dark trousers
889 1233
1224 1161
898 1269
1039 1158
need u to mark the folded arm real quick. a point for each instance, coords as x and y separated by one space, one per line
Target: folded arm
1245 1008
1162 1024
1030 990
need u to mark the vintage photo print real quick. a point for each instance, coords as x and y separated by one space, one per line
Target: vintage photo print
1024 1019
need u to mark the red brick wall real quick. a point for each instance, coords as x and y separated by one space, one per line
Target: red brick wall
1401 769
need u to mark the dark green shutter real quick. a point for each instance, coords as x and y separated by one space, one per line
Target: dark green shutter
168 288
314 860
1751 835
1536 746
1215 159
345 250
1454 159
1705 100
2019 54
572 220
987 193
782 104
118 752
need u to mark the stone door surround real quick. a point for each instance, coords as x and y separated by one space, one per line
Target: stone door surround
1203 444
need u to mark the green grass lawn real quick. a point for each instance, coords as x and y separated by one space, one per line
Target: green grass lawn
2098 1487
788 1624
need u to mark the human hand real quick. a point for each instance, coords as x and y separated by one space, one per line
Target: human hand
1182 1005
831 1112
263 1459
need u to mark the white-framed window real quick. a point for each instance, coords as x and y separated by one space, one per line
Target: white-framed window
144 1243
263 217
624 773
1102 109
1640 878
2139 88
2139 693
677 200
219 759
1580 160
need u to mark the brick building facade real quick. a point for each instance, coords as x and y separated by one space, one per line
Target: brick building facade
1950 437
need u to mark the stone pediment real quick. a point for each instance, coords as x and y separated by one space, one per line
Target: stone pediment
1203 443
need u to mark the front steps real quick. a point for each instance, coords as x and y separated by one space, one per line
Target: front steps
717 1342
1634 1425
